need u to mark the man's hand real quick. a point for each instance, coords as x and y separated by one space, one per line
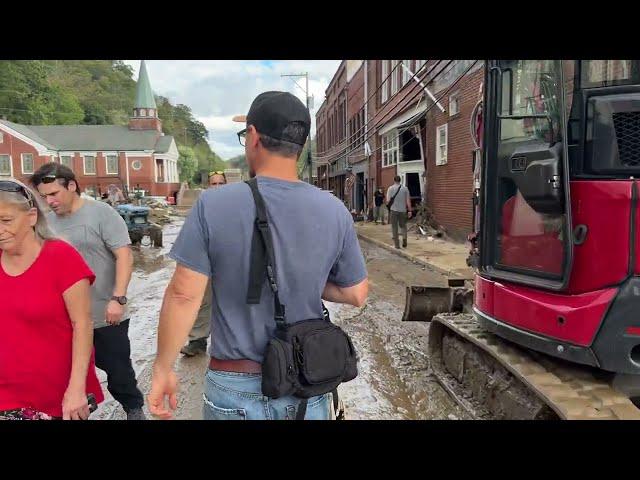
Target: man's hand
164 383
75 405
409 213
114 313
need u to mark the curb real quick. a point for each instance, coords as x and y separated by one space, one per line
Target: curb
404 254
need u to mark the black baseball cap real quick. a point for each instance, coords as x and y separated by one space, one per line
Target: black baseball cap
271 113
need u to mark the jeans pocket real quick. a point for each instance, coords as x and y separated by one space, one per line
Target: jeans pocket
213 412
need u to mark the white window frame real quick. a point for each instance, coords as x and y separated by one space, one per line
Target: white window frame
442 159
106 164
383 78
70 157
454 98
390 150
1 137
10 174
394 77
24 172
133 164
405 73
84 164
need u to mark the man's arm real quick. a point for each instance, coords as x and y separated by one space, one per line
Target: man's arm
408 203
124 268
355 295
180 305
182 300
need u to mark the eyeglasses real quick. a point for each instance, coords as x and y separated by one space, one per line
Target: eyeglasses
217 172
12 187
242 135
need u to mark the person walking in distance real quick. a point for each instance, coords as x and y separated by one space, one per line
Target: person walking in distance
101 236
378 209
201 329
399 204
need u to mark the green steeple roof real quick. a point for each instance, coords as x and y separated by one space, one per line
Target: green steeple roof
144 94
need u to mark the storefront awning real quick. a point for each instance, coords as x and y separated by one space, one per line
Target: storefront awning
412 121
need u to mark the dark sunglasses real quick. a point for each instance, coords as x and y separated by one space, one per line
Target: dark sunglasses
12 187
50 178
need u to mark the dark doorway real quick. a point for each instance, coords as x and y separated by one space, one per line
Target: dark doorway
413 184
360 191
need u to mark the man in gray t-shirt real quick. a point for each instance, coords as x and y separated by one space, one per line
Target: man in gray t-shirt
400 199
317 257
98 232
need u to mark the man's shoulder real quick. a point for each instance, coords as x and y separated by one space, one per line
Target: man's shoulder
95 207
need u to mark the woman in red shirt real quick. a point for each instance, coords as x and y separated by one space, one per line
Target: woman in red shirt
46 340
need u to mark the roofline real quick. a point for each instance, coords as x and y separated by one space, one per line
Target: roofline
41 148
342 66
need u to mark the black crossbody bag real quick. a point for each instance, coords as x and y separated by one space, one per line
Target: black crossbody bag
306 358
393 199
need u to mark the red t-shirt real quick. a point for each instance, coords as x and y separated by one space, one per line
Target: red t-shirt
36 333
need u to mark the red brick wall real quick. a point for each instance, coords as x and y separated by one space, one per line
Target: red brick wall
100 181
449 186
145 124
14 147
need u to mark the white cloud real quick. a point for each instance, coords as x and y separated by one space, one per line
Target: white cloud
216 90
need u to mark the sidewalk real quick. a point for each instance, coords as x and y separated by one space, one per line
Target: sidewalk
443 256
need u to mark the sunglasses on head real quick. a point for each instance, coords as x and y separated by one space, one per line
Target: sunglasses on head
12 187
50 178
211 174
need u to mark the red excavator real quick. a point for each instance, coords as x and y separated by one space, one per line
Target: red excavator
550 325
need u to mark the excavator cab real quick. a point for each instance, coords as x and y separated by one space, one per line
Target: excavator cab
558 233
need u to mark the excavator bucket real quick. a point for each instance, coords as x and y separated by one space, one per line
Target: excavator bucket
423 303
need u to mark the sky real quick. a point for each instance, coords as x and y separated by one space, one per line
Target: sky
216 90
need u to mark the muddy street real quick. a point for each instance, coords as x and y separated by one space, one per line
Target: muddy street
393 381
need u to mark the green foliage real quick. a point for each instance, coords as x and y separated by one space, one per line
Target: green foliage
92 92
187 163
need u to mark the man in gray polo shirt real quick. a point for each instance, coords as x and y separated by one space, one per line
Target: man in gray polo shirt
100 235
400 210
317 257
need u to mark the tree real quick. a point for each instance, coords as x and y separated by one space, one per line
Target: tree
187 164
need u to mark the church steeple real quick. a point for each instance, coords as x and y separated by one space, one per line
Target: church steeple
145 111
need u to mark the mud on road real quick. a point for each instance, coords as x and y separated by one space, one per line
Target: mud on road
394 380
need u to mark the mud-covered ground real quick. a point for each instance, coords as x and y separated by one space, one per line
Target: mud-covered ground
394 380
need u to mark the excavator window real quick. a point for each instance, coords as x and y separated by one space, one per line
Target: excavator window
529 232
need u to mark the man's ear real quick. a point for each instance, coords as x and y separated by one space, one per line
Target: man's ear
72 186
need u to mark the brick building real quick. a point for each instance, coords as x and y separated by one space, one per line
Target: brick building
137 156
403 132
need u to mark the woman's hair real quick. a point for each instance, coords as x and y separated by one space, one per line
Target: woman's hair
25 204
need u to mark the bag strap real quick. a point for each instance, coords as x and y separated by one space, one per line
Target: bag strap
393 199
302 409
339 413
263 257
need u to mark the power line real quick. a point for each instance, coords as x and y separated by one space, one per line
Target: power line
378 125
426 111
382 83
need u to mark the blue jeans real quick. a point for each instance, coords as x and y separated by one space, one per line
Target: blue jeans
238 396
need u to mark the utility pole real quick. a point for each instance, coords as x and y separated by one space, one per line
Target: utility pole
306 94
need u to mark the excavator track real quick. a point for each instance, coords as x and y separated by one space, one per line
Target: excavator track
492 378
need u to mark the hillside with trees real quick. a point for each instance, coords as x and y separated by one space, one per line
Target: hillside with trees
97 92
